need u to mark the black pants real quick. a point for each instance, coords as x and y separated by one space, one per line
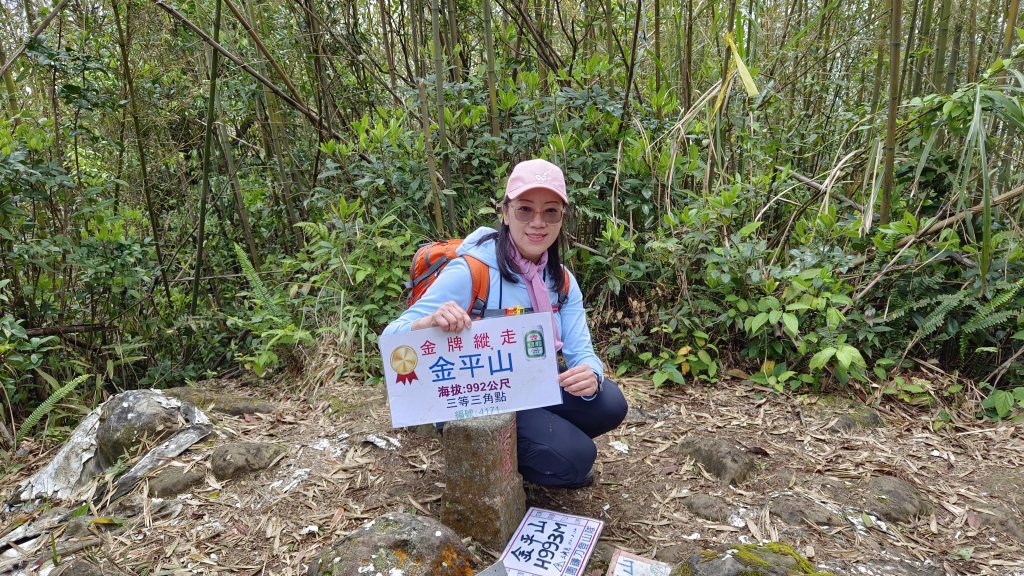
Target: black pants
556 446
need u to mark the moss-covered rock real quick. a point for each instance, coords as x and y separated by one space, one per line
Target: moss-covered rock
396 544
769 559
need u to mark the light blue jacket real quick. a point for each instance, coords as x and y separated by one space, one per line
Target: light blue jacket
455 284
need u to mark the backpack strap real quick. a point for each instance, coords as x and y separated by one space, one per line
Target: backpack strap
480 273
563 294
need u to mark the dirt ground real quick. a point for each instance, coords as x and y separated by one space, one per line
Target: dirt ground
332 480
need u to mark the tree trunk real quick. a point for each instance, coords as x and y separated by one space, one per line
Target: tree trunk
895 17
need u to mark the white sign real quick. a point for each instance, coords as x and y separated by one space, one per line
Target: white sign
498 365
551 544
625 564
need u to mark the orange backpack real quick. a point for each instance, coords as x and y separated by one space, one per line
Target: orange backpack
432 257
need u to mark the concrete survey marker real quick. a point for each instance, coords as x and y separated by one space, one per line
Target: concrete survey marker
483 495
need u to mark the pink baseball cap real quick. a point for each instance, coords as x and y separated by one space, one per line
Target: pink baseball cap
536 174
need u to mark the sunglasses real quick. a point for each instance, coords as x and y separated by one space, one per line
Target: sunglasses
527 214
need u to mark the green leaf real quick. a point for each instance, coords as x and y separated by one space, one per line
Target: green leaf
1001 401
750 228
1018 395
848 355
866 519
792 323
774 316
659 378
757 322
819 360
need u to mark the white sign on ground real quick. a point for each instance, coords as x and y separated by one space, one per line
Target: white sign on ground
551 544
498 365
625 564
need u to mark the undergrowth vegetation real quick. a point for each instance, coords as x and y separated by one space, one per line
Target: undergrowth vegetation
737 234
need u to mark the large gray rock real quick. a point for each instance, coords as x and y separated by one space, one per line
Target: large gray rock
394 544
483 497
233 460
134 421
769 559
719 457
895 499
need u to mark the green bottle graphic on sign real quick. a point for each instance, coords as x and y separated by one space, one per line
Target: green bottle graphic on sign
534 340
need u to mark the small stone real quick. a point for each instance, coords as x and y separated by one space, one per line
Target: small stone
78 567
233 460
484 497
708 507
861 418
1004 521
719 457
173 481
896 500
798 511
676 553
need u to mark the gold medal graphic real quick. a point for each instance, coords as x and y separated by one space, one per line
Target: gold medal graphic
403 362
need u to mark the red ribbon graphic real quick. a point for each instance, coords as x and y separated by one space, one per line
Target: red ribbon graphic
406 378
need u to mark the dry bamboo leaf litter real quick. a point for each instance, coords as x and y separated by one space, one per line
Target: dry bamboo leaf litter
244 526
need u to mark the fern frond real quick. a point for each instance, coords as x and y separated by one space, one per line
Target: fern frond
987 316
44 408
256 285
938 316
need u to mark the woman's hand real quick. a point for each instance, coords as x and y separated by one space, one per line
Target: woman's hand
579 381
449 317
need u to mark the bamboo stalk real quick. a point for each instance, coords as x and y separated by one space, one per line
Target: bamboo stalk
428 147
439 75
211 117
632 66
225 150
492 79
888 182
139 142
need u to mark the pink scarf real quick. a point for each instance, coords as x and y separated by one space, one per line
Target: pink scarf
533 274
